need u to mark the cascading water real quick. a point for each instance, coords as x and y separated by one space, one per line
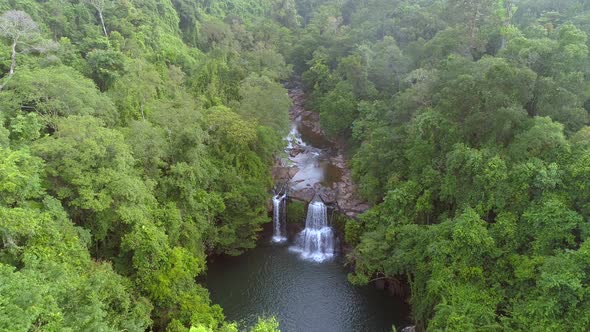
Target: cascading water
279 210
316 241
294 138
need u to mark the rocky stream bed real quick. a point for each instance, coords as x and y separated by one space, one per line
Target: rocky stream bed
315 166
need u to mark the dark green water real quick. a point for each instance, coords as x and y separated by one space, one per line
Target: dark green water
304 296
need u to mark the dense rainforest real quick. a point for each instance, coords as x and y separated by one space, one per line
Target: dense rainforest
467 122
137 139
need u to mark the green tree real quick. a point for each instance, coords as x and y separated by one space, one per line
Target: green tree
90 169
56 92
135 92
266 325
20 30
266 102
104 67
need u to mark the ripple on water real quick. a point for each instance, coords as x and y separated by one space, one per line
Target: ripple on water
304 296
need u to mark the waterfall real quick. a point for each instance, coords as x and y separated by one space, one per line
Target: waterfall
278 218
316 241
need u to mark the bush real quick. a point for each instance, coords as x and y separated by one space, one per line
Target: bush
295 212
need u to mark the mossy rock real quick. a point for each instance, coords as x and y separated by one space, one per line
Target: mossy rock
339 221
295 212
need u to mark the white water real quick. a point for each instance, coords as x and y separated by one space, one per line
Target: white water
309 162
279 210
316 241
294 139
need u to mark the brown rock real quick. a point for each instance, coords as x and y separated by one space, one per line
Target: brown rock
380 284
328 196
295 151
306 195
283 173
311 121
292 171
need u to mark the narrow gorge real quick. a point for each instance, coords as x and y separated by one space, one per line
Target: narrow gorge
314 167
297 272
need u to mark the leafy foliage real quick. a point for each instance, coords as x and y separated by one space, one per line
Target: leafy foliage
136 138
467 125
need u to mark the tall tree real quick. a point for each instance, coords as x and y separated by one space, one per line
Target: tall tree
19 28
99 5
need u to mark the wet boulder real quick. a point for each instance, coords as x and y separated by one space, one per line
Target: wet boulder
305 195
282 174
292 171
295 151
328 196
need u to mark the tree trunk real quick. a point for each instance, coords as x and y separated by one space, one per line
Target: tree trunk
13 58
12 64
142 114
104 29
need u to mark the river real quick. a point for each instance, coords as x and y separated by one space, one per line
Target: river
301 279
